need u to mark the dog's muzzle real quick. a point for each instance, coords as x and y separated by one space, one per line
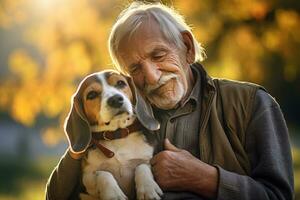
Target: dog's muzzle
115 101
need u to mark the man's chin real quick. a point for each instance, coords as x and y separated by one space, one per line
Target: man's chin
167 98
165 105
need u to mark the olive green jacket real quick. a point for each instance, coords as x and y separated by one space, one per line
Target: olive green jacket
242 133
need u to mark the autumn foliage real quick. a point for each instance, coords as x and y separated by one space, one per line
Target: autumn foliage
61 41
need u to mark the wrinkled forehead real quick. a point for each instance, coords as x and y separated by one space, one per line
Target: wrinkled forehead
146 36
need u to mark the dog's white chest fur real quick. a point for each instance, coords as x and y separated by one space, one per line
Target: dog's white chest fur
129 153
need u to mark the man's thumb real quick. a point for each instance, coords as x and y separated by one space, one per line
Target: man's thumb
170 146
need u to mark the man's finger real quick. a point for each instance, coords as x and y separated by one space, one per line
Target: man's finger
157 158
170 146
154 159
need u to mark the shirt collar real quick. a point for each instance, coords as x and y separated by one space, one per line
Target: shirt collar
195 93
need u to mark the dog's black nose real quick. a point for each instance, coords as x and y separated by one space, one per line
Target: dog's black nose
115 101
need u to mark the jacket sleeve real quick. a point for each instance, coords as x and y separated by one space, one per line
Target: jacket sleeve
64 179
267 145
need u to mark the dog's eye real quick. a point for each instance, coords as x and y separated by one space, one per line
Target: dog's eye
92 95
120 84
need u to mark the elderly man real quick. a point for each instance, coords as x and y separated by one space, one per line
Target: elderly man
231 138
225 139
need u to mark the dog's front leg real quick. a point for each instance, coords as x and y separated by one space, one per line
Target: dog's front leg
108 187
146 187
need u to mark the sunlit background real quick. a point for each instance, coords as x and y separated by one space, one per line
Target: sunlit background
48 46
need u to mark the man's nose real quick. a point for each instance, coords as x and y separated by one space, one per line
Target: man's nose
151 73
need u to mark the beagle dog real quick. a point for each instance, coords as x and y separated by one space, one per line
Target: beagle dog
110 120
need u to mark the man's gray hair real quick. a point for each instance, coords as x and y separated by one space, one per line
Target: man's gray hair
170 22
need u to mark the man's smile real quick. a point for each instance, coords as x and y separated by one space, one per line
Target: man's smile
164 88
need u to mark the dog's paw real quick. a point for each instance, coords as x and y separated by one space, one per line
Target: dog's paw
108 187
146 187
148 190
113 193
83 196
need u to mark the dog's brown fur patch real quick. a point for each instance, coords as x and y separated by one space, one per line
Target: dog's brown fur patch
92 106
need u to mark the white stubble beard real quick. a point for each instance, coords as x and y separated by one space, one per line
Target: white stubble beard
166 102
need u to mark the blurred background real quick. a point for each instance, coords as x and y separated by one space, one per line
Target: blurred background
48 46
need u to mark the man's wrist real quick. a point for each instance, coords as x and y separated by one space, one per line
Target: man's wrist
212 183
207 181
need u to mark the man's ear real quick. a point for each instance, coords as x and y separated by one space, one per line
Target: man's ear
77 128
143 109
190 47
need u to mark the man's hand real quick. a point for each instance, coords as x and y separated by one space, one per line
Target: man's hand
177 170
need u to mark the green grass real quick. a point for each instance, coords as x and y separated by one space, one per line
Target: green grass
296 160
21 179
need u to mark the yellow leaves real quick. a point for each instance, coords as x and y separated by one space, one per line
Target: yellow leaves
78 58
271 39
206 31
37 97
7 90
51 136
64 64
55 66
11 13
55 99
287 19
296 161
22 65
52 105
284 38
228 68
44 36
288 22
70 38
25 105
50 93
237 10
79 19
259 9
247 40
189 7
239 55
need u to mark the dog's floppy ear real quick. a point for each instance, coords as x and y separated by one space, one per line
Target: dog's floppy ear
77 128
143 109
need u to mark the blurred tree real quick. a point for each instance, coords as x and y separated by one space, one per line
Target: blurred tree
252 40
64 40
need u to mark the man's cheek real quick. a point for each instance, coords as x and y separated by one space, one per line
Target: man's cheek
138 82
